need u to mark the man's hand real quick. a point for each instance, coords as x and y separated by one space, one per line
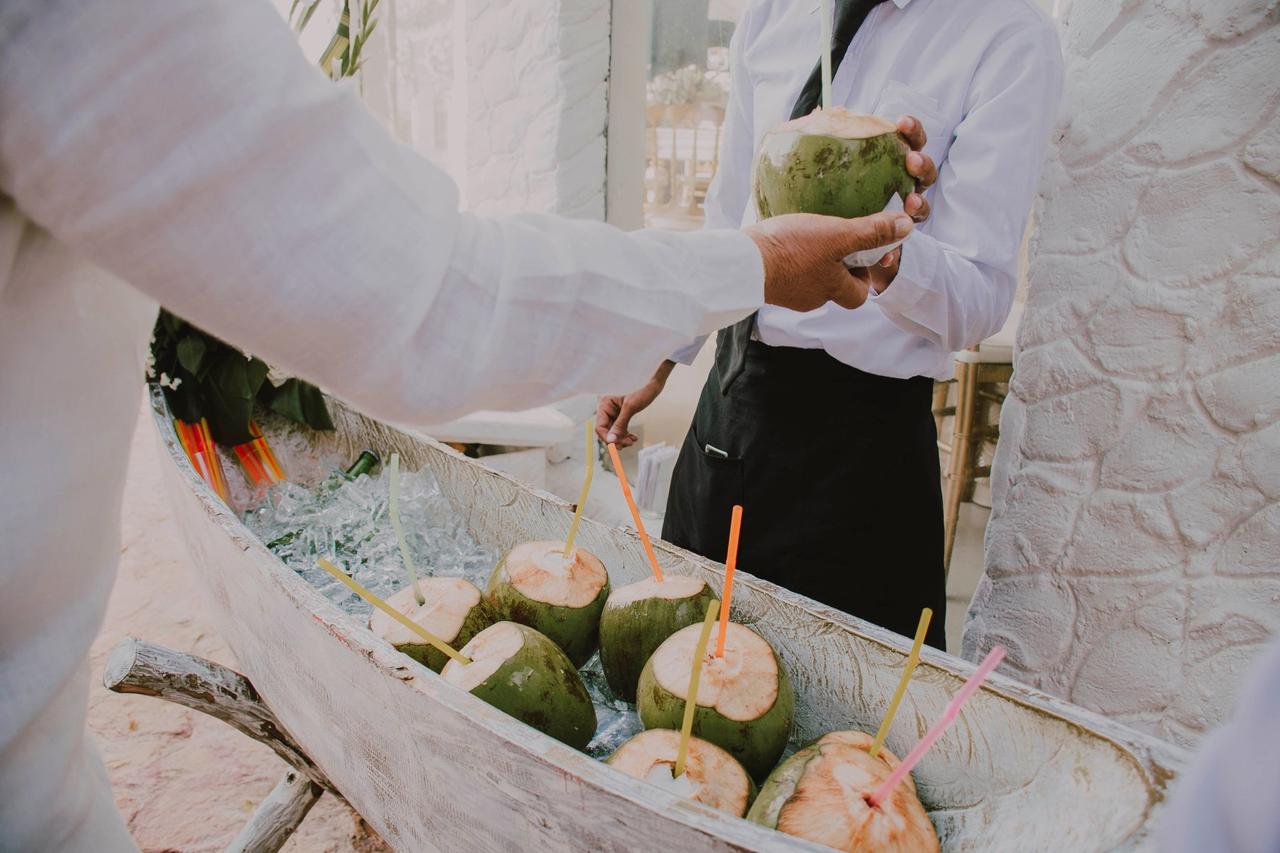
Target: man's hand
919 165
803 256
614 414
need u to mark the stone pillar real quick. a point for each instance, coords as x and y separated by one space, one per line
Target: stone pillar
536 105
1133 553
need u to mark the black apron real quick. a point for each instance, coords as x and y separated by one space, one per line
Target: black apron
837 472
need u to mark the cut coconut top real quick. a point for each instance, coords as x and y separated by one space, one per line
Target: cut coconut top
540 571
742 685
448 601
839 123
670 588
829 804
488 651
711 775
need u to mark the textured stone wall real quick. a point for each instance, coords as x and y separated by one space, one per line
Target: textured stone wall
536 91
1133 553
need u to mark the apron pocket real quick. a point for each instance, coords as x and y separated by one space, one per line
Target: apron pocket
703 492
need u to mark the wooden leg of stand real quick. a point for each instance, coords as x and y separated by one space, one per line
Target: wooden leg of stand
278 816
136 666
940 391
957 470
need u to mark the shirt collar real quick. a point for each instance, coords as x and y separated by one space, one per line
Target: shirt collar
901 4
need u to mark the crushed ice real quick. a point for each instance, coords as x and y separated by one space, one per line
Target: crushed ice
347 522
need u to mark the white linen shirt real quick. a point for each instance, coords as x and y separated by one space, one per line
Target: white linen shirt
985 79
1227 797
185 152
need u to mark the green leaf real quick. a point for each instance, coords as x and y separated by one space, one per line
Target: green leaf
228 396
298 401
185 403
191 350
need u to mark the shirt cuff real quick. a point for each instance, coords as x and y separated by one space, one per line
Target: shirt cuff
916 270
686 355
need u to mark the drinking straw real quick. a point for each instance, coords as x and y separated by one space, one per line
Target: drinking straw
635 511
267 453
391 611
264 467
691 698
949 715
586 487
926 616
827 17
214 462
730 565
393 470
202 454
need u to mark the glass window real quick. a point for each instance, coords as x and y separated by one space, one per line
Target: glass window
688 86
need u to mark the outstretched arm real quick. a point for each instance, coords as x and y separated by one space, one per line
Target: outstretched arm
191 150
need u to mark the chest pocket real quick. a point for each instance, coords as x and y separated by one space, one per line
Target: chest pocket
898 99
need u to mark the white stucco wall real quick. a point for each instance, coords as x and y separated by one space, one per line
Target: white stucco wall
536 105
1133 554
509 96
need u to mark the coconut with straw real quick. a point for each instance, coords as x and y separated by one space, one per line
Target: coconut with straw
451 609
832 161
638 617
554 587
744 703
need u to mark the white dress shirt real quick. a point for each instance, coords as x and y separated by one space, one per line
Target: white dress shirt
185 152
1228 799
985 79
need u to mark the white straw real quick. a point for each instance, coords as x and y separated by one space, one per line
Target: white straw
393 469
824 49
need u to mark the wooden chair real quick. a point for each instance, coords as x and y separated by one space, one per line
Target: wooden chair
982 374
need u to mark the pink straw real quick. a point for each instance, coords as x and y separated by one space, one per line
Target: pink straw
948 717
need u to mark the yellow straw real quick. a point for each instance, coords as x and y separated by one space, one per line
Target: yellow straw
586 487
391 611
393 470
912 660
691 699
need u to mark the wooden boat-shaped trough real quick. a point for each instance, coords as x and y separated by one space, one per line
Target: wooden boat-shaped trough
433 768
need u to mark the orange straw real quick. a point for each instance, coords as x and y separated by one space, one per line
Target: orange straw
730 564
635 511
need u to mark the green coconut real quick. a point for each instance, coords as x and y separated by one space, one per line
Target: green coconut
536 585
638 617
711 775
745 701
518 670
821 794
453 611
833 162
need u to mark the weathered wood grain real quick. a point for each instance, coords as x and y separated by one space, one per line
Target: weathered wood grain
278 815
147 669
432 768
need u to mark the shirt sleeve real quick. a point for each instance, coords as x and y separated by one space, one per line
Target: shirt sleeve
958 273
728 195
1226 799
191 150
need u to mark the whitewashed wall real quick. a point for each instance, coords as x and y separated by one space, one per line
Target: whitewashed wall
509 96
1133 554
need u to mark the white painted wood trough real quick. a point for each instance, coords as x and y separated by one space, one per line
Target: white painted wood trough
433 768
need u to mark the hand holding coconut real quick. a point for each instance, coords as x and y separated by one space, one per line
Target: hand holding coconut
803 255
